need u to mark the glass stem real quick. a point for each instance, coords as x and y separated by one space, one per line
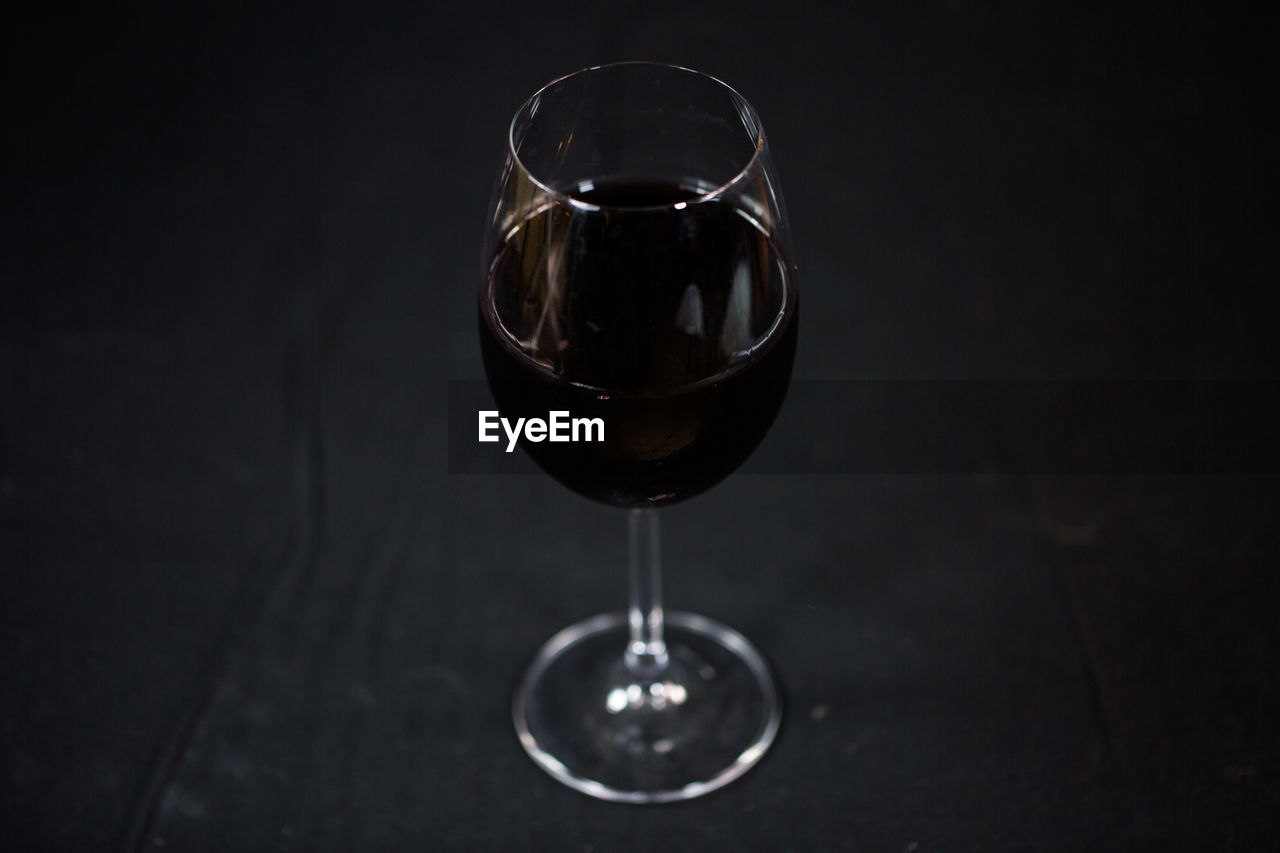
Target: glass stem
646 651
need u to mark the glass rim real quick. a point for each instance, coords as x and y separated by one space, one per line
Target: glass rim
712 194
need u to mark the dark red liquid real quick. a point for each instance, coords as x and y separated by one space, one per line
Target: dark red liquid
676 327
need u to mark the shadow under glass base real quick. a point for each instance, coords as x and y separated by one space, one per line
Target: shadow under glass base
590 722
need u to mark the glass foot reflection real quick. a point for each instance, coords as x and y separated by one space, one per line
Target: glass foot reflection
619 733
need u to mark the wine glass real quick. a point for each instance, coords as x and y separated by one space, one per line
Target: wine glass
638 280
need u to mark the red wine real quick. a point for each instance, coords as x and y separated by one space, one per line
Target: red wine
675 326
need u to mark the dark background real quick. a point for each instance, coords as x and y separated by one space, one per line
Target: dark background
246 606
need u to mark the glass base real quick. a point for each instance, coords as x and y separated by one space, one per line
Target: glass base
599 727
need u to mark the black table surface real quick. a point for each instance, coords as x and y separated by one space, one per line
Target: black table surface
247 604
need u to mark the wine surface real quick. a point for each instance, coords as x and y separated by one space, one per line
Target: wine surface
673 325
